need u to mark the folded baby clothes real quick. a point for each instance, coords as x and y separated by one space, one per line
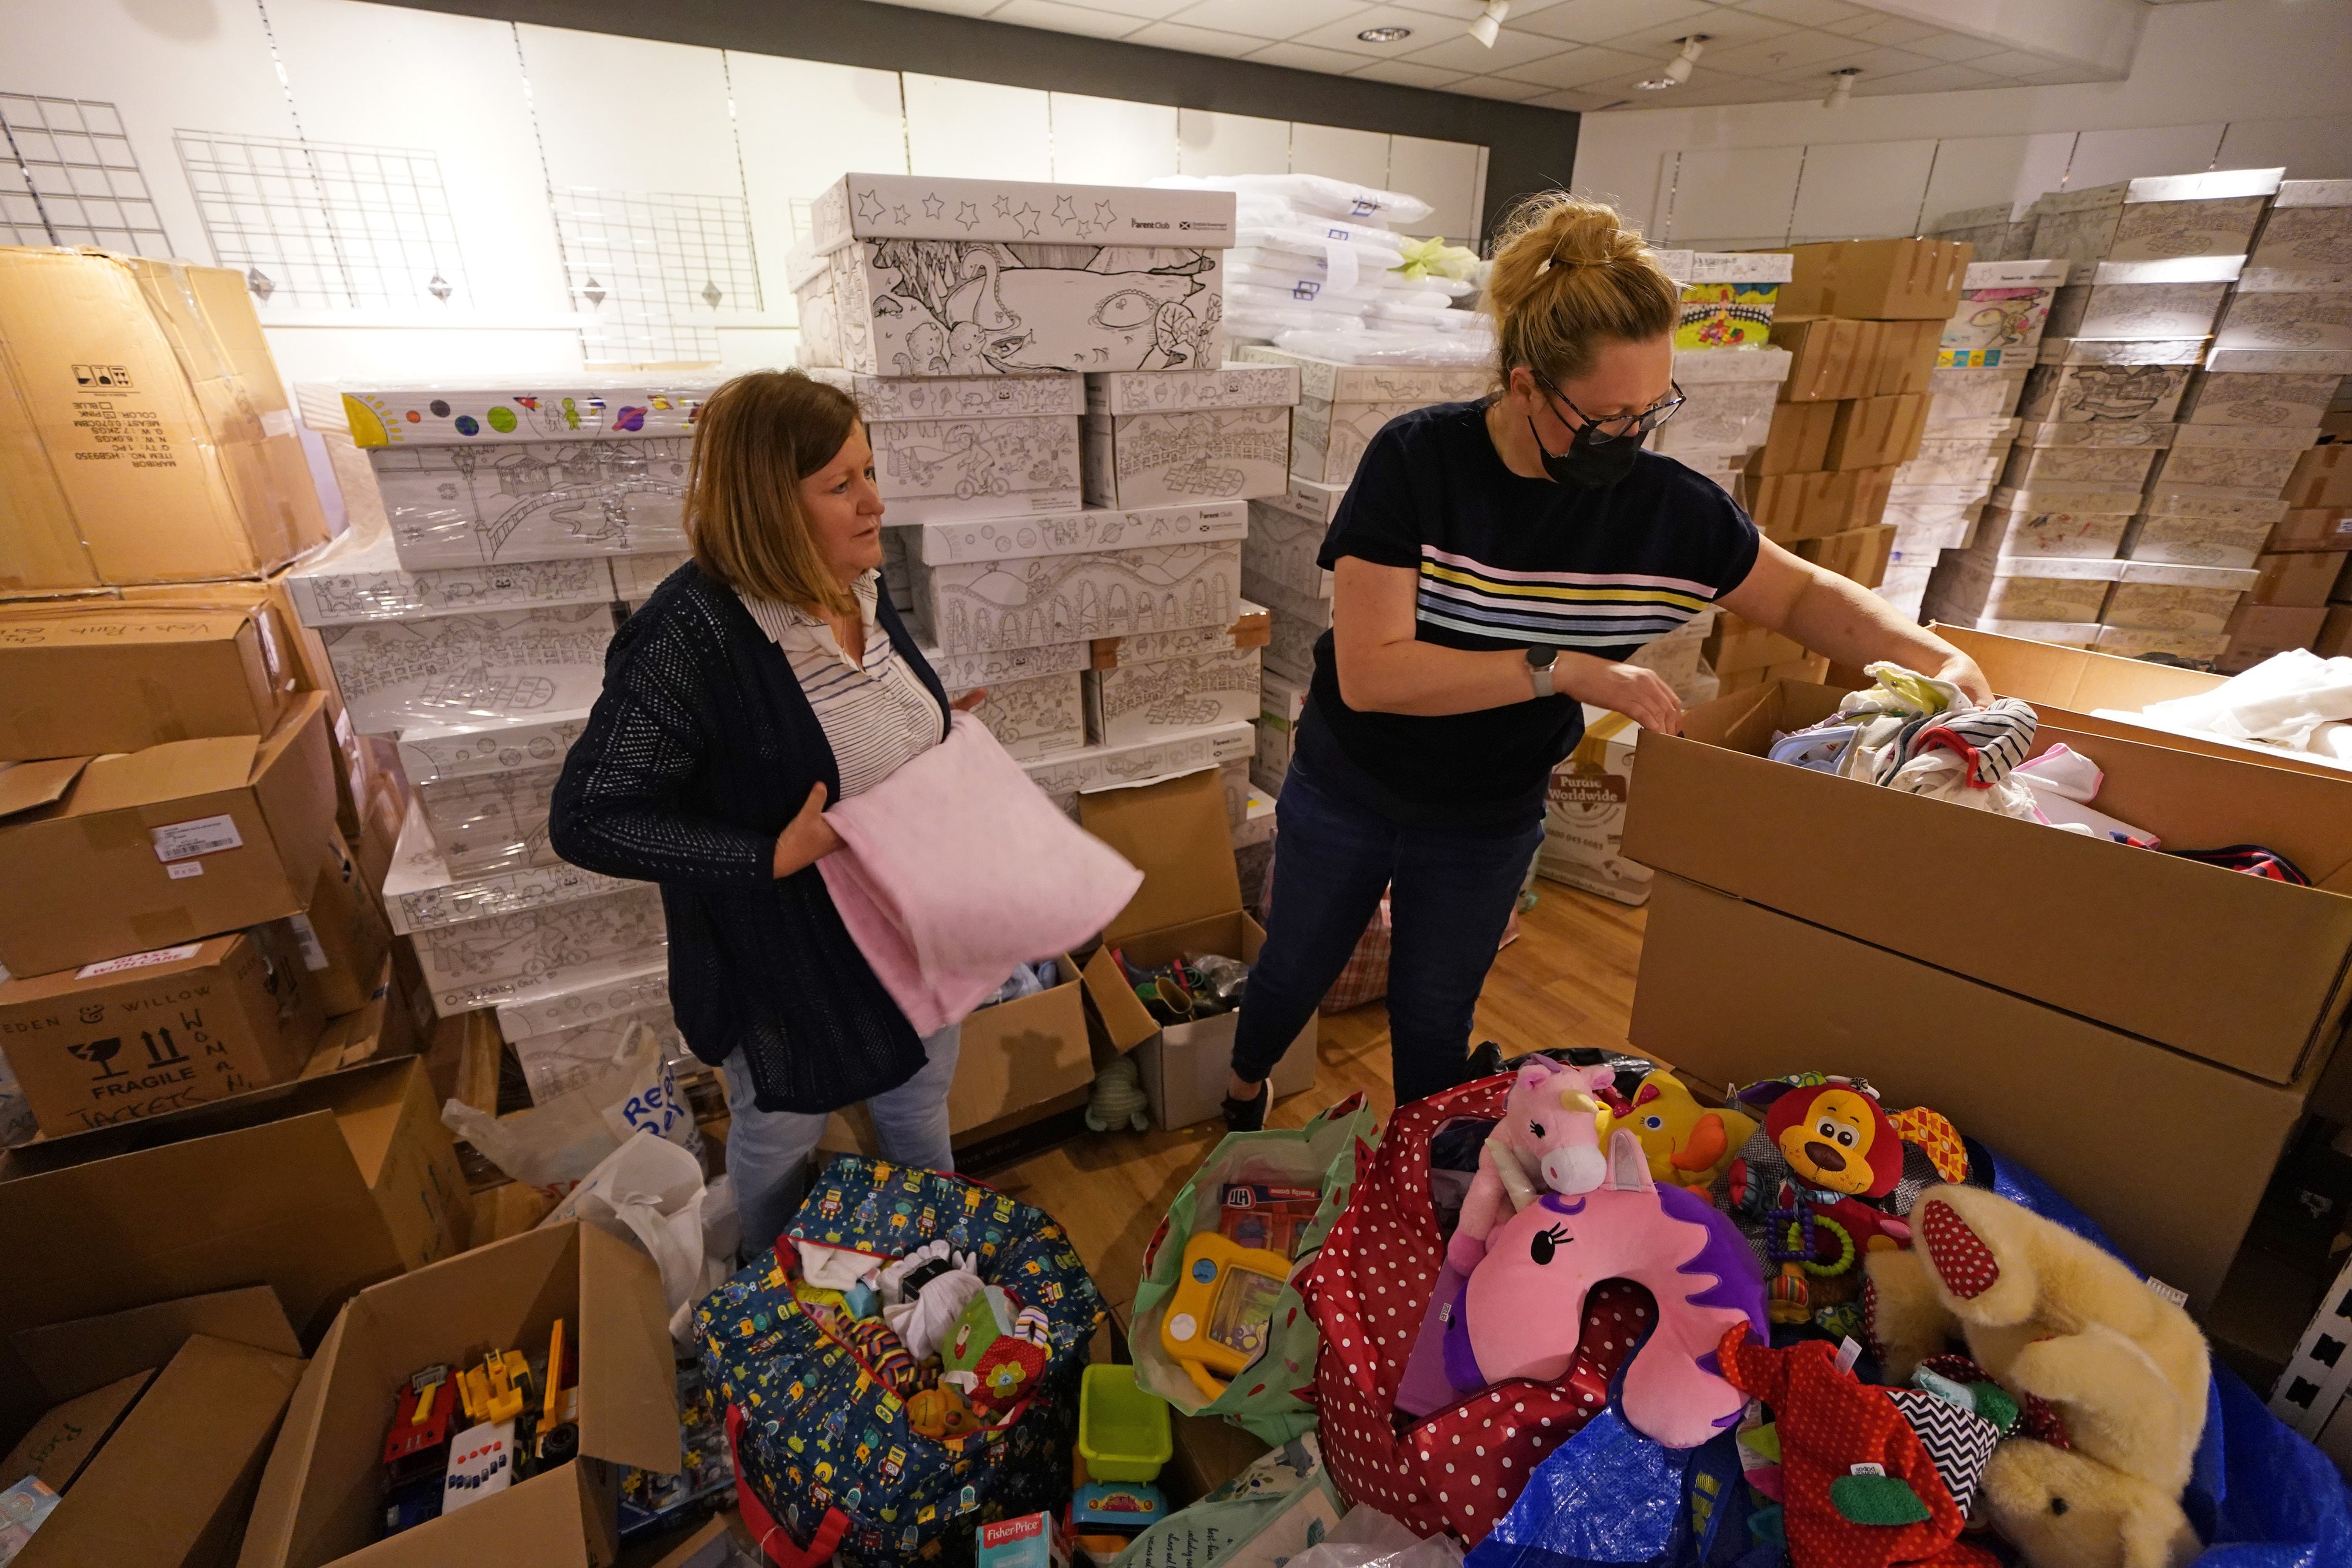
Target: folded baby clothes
956 867
1924 736
836 1267
2064 782
2295 700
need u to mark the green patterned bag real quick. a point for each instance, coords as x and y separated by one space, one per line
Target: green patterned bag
1273 1396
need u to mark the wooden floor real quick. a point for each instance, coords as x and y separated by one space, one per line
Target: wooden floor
1567 981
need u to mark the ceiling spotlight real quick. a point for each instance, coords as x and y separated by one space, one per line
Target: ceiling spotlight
1678 70
1385 35
1840 86
1489 24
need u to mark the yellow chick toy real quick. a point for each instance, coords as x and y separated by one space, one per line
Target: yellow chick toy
1687 1143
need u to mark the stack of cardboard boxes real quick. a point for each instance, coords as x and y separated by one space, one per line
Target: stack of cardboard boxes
185 910
2147 475
1862 321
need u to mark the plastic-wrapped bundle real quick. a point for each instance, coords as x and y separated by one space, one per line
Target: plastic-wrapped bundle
1313 193
1472 346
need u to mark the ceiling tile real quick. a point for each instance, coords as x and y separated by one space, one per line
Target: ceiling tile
1497 87
1463 53
2012 63
1062 18
1141 10
1935 78
1425 28
1578 102
1598 21
1256 19
1725 29
1781 56
1195 40
1307 58
1882 29
960 7
1954 47
1806 12
2059 76
1405 73
1887 62
1585 67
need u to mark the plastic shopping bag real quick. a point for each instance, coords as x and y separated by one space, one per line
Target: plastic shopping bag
651 1191
1271 1398
554 1147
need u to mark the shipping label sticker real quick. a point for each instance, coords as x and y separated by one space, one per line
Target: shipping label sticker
136 961
314 956
202 836
180 871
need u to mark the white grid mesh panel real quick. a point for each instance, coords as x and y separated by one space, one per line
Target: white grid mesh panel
652 271
68 177
324 225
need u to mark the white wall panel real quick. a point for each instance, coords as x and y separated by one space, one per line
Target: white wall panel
1853 191
2317 148
599 100
1215 143
2101 157
803 125
1442 173
1747 192
1361 156
1109 142
1981 170
975 130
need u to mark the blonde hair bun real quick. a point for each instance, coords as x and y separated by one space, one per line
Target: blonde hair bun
1569 274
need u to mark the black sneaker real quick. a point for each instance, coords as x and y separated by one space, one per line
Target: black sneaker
1249 1115
1484 1063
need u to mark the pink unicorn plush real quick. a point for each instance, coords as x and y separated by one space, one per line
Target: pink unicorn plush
1549 1137
1524 1308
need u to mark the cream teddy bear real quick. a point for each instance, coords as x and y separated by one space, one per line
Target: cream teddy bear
2052 1316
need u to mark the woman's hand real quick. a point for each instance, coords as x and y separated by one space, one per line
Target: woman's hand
970 699
1962 672
808 838
1639 693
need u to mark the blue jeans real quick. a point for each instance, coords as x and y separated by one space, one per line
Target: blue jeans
768 1151
1451 895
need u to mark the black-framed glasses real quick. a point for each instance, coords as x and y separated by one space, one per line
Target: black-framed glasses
1622 426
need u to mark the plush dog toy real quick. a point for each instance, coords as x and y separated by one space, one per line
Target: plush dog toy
1549 1138
1688 1145
2059 1323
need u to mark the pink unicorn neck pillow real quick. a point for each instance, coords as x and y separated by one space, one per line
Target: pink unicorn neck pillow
1523 1310
1548 1138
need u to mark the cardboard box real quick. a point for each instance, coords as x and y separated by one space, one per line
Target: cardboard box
342 935
2258 631
321 1498
451 506
2305 230
2156 219
2101 393
1966 394
1876 279
1736 989
1328 439
1182 455
1254 628
172 1485
2232 456
1081 532
1858 554
1793 507
141 1036
359 578
1798 441
432 672
970 447
1584 812
1970 588
69 1435
2002 231
888 299
1035 717
975 606
1728 296
1417 386
81 677
2190 541
2004 307
313 1188
1298 622
1830 359
1284 546
1281 702
124 853
2159 598
993 667
2146 933
1876 432
2295 312
487 412
2298 581
2335 638
2322 477
1140 701
1906 357
1972 460
1064 776
384 1025
1733 645
2312 529
1720 416
1012 1056
150 440
1177 831
2268 401
2094 307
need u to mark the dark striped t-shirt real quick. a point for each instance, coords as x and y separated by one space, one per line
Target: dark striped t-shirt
1508 562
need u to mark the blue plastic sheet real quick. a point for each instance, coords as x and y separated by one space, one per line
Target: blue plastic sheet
2260 1496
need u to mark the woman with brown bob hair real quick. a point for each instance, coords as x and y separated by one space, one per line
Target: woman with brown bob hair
1494 564
763 679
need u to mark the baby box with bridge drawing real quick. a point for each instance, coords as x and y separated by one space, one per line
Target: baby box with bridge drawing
901 1368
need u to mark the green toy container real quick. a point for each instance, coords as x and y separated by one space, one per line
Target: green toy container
1123 1431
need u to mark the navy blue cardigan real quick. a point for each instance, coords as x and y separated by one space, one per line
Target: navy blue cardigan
701 748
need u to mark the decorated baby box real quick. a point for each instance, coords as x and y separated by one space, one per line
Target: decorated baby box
1726 299
924 277
952 447
1185 437
2004 305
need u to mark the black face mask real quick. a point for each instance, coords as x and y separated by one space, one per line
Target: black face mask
1590 464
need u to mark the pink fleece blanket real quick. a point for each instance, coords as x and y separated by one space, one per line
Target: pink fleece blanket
957 867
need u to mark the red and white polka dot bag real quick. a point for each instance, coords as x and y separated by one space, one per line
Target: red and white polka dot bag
1462 1468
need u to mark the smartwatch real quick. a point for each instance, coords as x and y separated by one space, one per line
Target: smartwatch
1539 665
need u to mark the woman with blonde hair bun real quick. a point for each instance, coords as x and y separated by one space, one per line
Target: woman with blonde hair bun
1494 564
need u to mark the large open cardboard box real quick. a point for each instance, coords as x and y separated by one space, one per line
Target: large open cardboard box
315 1189
2079 682
2168 1153
322 1497
1191 902
1012 1056
2246 973
82 676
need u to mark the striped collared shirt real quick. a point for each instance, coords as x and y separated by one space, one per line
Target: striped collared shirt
878 716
